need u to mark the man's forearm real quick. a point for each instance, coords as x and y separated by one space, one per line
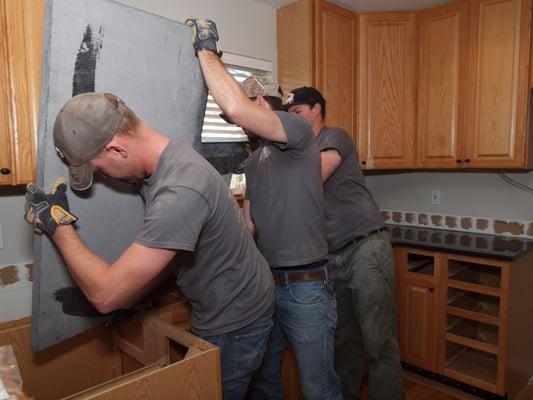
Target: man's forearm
226 91
88 270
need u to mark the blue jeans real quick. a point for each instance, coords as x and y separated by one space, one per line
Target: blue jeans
305 316
366 327
241 354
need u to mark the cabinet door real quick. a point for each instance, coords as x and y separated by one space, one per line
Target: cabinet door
498 77
5 109
419 276
335 63
20 76
442 69
387 89
295 51
417 323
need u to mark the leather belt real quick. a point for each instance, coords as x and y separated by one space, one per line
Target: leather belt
361 237
279 277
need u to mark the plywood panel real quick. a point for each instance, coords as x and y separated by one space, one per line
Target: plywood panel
149 62
197 377
51 374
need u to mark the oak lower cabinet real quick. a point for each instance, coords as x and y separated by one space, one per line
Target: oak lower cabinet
466 318
152 356
418 306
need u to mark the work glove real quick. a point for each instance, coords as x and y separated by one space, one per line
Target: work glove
46 211
204 35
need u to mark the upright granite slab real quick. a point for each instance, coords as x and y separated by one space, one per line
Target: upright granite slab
149 62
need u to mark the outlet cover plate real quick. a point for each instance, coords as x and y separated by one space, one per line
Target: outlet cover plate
435 197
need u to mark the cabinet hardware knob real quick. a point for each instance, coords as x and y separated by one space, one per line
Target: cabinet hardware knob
431 289
5 171
459 160
467 159
363 162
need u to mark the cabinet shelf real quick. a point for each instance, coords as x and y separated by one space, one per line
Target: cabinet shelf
474 302
486 335
469 364
420 264
474 274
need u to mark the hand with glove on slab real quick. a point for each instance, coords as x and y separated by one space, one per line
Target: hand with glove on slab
47 210
204 35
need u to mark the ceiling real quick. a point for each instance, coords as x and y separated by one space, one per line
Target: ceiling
371 5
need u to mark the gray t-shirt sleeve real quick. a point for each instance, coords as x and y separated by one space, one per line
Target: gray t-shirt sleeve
174 220
298 131
336 139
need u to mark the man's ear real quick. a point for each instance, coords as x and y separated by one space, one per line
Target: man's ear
317 109
262 101
117 147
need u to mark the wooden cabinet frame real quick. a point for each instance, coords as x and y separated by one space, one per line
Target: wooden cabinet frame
20 70
513 323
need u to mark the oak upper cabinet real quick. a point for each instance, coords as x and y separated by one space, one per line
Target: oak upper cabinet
295 43
443 40
317 47
386 86
20 49
417 273
335 64
497 107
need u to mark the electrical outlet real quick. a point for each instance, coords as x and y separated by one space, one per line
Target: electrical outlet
1 236
435 197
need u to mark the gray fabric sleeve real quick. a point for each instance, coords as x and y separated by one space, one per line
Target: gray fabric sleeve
336 139
174 220
298 131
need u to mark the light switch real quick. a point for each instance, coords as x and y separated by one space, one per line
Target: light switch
1 236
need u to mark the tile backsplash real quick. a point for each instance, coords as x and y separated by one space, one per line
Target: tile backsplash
493 226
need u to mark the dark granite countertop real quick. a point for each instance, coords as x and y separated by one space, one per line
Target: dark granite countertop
473 244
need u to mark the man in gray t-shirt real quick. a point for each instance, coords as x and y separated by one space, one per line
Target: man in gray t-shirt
192 224
360 250
284 207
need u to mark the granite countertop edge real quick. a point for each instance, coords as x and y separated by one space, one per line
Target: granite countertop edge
507 248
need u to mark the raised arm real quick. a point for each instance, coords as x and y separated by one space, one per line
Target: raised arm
227 92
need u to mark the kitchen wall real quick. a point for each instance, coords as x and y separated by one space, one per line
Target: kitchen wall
245 27
248 28
475 194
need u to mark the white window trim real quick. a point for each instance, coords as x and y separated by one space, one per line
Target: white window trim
247 62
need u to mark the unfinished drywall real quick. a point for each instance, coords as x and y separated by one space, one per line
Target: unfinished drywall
149 62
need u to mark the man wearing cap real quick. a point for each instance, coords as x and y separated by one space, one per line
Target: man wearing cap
284 204
192 225
360 250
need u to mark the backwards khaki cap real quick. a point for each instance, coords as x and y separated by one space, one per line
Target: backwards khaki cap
257 86
83 127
